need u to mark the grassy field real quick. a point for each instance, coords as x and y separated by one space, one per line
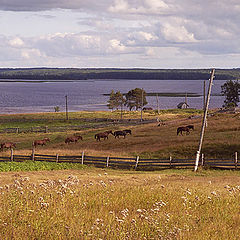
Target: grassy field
89 203
148 140
109 204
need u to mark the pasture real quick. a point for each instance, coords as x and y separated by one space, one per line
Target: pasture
111 204
91 203
147 140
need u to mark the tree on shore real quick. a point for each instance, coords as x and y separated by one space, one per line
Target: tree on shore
116 100
230 90
136 98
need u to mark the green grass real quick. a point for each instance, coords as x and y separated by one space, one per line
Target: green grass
37 166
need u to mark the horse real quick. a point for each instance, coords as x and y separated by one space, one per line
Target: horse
190 127
128 131
73 139
8 145
40 142
183 129
103 135
119 133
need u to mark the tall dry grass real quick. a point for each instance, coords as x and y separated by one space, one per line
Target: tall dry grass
111 205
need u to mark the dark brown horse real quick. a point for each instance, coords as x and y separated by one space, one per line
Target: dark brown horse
40 142
73 139
191 127
103 135
8 145
128 131
183 129
120 133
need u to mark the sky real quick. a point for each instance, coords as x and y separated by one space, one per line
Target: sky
120 33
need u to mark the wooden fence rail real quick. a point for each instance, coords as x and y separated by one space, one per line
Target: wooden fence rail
120 162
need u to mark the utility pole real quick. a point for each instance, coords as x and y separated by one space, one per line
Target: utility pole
121 111
186 99
66 107
157 103
204 120
204 95
142 107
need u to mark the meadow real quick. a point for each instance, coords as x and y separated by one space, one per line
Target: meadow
221 139
112 204
40 200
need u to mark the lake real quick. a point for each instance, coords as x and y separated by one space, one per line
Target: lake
35 96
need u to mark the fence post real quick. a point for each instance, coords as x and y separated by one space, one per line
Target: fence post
46 129
82 156
11 154
57 157
203 160
107 161
170 161
236 159
17 130
137 160
33 153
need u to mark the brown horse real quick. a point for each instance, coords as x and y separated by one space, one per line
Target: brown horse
128 131
40 142
103 135
183 129
120 133
73 139
190 127
8 145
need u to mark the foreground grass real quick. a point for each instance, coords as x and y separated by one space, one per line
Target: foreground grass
37 166
96 204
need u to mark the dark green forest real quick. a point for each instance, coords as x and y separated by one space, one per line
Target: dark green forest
115 73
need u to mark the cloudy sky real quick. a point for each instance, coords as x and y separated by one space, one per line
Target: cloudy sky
120 33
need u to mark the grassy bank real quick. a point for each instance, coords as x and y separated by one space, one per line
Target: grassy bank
95 204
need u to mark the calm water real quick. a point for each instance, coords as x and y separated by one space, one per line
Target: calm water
19 97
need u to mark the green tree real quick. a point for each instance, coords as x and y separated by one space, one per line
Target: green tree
136 98
116 100
230 90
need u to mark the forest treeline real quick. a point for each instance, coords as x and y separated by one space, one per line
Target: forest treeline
115 73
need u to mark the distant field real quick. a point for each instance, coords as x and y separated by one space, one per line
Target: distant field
148 140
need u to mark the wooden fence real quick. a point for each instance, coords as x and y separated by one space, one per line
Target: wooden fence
127 163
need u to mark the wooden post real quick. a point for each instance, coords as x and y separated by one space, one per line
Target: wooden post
142 107
203 160
204 120
236 159
11 154
66 107
33 153
137 160
107 161
17 130
57 157
157 104
46 129
82 157
170 160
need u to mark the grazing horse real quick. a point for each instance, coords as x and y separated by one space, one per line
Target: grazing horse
103 135
127 131
40 142
8 145
119 133
190 127
73 139
183 129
